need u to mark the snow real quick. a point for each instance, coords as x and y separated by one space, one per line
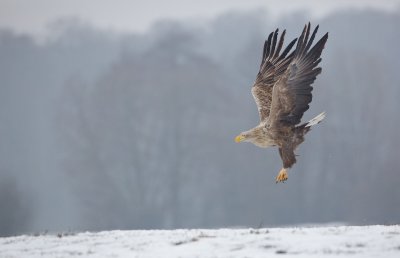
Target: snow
340 241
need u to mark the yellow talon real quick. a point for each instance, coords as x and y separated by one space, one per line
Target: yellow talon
282 176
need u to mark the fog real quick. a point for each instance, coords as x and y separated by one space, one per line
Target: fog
103 130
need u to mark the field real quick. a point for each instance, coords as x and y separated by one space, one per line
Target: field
341 241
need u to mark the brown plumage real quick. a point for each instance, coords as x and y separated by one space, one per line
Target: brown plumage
282 92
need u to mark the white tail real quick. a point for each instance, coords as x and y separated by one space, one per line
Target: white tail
316 120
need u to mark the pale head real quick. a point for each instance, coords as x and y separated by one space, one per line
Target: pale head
258 136
248 136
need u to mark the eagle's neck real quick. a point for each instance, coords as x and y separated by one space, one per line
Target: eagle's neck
261 137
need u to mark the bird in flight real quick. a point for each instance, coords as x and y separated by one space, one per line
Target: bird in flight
282 92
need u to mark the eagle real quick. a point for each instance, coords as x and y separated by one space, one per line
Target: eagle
282 92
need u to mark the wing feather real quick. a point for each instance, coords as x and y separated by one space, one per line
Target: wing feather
292 93
273 65
280 44
274 43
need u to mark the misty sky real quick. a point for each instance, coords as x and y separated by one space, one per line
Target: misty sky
33 17
103 130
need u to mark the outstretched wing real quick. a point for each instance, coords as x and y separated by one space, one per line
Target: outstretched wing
273 65
292 93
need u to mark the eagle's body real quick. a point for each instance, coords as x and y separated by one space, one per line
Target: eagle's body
282 92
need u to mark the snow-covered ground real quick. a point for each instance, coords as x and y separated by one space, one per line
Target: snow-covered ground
342 241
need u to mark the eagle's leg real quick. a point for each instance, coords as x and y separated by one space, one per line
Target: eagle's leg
288 159
282 176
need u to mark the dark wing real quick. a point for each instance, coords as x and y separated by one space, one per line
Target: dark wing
292 93
273 65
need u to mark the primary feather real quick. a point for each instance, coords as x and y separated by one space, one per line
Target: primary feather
272 67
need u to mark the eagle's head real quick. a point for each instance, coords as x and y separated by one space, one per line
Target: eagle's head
258 136
242 137
250 135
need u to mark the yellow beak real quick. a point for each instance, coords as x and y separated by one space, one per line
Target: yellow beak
239 138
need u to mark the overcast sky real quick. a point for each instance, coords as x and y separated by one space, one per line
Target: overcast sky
32 17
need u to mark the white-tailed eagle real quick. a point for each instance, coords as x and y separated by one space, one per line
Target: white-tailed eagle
282 92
